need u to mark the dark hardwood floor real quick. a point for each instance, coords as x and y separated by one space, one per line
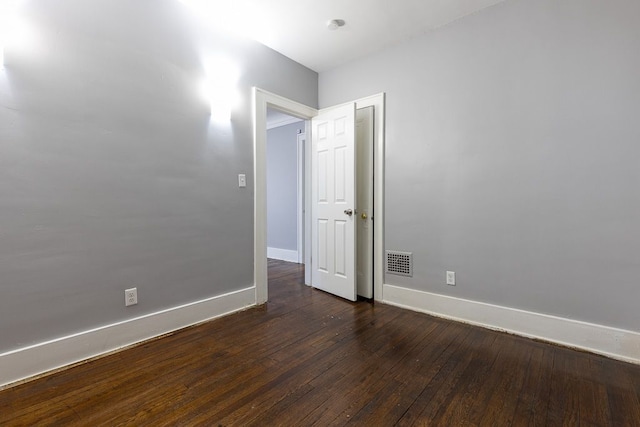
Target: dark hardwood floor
308 358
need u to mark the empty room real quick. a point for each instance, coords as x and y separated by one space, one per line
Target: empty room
296 213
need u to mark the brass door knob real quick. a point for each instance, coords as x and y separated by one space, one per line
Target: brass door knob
363 216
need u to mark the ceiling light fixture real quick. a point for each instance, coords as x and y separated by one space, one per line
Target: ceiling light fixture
334 24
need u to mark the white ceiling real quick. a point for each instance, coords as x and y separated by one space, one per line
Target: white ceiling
297 28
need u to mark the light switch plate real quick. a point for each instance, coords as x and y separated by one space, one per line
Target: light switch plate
242 180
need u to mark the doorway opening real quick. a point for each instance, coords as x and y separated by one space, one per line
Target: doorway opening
286 136
264 102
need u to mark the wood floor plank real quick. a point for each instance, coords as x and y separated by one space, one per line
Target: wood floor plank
510 369
313 364
391 402
531 408
594 409
623 401
342 374
309 358
414 375
359 372
564 406
398 346
437 379
474 389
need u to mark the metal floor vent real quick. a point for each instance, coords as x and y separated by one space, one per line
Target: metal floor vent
400 263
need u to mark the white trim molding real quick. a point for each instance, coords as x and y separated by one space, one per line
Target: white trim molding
261 101
378 103
282 254
616 343
301 140
34 360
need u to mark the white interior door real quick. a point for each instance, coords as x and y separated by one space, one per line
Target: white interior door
333 192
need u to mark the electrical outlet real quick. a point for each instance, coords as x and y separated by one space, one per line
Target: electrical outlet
130 297
451 278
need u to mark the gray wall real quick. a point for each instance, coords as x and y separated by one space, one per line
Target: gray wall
512 155
111 174
282 186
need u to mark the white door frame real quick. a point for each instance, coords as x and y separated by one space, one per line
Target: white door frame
263 99
301 140
378 103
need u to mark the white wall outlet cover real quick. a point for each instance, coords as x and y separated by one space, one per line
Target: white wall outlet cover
242 180
451 278
130 297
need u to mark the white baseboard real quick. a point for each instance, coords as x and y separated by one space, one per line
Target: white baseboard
615 343
23 363
282 254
